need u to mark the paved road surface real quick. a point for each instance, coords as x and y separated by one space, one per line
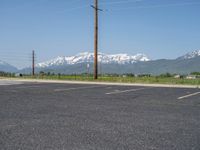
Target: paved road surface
42 116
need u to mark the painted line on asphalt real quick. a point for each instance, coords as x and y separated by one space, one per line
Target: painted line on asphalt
189 95
14 91
24 87
125 91
3 83
77 88
10 83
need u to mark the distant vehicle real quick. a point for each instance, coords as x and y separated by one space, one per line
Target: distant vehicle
18 75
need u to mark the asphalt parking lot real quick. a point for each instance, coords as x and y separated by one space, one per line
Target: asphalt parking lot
51 116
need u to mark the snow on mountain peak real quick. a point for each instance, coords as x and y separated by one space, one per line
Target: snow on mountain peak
2 63
190 55
4 66
87 57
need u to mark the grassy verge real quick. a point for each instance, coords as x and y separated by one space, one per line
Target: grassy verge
146 80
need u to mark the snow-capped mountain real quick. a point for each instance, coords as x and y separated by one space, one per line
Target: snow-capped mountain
2 63
87 57
7 67
191 55
137 64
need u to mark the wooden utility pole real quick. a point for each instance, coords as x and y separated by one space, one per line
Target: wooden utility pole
33 63
96 10
96 39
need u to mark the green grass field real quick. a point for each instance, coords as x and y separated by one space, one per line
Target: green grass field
146 80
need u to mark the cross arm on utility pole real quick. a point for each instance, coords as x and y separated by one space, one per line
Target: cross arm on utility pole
96 8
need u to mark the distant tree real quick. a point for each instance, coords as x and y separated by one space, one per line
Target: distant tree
195 73
6 74
2 73
166 75
130 75
59 75
144 75
42 73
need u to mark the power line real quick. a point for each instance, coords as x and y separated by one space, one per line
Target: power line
157 6
124 2
134 7
102 3
12 54
76 8
15 58
119 2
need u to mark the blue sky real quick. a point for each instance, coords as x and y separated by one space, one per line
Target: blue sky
158 28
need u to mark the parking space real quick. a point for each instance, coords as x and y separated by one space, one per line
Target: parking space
81 116
8 82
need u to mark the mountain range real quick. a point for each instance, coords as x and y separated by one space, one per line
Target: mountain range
89 57
115 63
7 67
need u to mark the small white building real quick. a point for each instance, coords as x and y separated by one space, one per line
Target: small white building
178 76
191 77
